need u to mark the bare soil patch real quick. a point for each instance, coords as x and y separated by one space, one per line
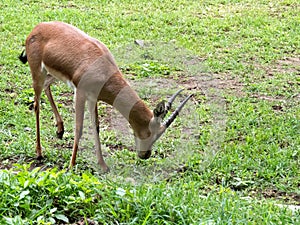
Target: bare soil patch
282 195
9 162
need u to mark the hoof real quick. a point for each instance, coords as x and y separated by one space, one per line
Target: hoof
59 134
40 157
106 169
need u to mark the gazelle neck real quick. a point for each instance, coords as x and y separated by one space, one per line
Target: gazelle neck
119 94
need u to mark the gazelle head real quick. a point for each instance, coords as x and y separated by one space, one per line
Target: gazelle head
157 126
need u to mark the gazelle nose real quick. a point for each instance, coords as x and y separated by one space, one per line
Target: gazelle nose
144 154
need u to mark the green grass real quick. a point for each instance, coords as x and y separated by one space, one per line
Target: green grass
231 158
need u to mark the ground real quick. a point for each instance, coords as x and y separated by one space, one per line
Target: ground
233 151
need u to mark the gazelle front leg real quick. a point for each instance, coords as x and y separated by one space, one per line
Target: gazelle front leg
97 118
95 126
79 115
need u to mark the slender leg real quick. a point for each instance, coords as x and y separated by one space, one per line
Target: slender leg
59 121
95 126
79 115
38 83
97 118
38 147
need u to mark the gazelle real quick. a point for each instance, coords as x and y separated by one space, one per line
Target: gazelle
62 51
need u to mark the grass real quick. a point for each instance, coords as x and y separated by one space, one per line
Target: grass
231 158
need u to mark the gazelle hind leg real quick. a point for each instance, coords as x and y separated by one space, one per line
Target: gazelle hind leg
59 121
95 126
38 83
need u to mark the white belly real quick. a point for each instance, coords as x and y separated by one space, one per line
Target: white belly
58 75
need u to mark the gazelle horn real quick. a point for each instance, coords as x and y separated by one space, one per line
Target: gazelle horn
173 116
171 100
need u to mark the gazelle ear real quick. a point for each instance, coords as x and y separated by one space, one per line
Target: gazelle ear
160 110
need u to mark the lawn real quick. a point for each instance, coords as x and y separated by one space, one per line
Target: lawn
232 156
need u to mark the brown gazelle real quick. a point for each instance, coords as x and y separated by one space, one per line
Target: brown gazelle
59 50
